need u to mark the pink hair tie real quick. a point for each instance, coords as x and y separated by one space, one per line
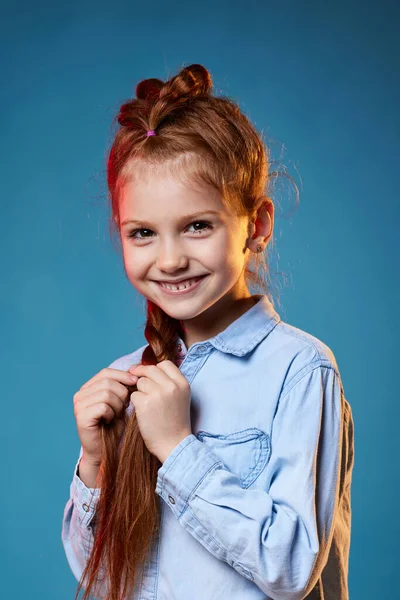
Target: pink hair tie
151 132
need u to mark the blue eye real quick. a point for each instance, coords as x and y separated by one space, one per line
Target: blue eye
133 233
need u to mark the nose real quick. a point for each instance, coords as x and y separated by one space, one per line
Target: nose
171 258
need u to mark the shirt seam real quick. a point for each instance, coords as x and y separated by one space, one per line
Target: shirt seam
293 333
316 364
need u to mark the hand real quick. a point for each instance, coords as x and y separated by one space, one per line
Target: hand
162 406
105 396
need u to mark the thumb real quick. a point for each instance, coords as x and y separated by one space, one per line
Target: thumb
132 367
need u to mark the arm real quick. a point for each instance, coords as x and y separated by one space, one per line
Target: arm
279 537
87 473
79 513
78 522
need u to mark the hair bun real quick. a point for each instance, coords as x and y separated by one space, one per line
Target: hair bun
197 80
191 82
149 88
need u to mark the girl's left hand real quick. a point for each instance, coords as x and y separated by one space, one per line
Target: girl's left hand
162 406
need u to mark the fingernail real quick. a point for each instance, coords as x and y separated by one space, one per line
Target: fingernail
134 378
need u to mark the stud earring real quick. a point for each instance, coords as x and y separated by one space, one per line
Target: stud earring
259 248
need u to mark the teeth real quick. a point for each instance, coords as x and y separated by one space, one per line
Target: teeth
181 286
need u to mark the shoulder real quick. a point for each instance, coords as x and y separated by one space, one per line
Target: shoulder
302 342
301 353
127 360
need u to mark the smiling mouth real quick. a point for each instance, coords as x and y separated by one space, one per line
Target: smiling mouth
183 285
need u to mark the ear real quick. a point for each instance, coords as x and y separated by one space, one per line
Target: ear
262 226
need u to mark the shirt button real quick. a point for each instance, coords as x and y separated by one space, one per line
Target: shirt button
85 507
171 499
202 348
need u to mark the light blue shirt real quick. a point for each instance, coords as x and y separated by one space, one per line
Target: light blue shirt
255 503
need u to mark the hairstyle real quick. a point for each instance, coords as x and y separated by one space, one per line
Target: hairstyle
200 137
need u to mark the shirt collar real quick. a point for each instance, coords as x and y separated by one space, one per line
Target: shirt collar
243 334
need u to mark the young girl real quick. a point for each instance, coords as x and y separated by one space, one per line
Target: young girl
216 460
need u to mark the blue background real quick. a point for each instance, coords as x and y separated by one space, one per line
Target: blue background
319 78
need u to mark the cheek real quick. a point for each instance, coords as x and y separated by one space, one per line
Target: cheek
216 248
135 265
231 250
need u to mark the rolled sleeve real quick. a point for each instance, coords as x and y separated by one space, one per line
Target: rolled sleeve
183 471
78 522
85 499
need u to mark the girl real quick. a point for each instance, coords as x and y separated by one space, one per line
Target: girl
216 460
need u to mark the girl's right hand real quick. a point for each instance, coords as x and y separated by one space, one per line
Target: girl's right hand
105 396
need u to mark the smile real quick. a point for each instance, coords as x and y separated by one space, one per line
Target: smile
183 288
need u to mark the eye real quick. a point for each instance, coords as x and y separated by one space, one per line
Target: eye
206 223
133 233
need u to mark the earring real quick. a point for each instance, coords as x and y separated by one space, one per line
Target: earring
259 248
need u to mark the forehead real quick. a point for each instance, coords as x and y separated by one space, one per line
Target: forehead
157 191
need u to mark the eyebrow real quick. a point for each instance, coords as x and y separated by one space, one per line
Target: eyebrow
184 218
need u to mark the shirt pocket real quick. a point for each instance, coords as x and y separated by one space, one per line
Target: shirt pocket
245 453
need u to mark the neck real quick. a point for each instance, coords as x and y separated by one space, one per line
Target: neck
215 319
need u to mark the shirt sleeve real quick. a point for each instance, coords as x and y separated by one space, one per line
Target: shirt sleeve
277 537
78 524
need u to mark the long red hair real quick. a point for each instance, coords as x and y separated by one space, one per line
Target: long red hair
200 137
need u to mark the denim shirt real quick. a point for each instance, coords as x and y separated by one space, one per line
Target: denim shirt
255 502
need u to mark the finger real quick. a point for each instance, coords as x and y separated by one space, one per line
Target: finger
115 374
101 389
137 397
117 403
101 410
107 383
171 371
152 372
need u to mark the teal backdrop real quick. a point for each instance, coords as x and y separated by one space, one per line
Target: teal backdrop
321 80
